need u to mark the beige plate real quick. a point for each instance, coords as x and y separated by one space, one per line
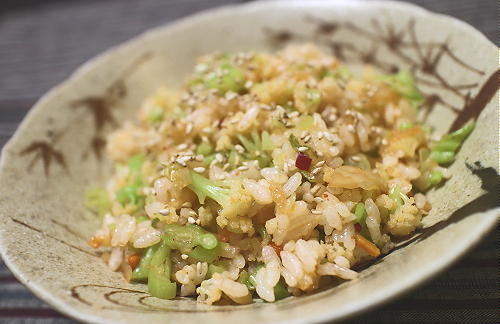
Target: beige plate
57 152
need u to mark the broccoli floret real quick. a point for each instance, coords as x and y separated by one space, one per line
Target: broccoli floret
235 201
404 84
258 147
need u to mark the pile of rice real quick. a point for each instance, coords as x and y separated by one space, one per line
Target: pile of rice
319 170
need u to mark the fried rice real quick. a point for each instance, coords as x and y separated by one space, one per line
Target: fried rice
267 175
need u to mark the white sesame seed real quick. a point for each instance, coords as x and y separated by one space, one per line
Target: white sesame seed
315 189
219 157
355 158
316 212
318 199
320 154
334 150
199 158
182 146
320 135
293 114
184 256
231 95
243 168
248 84
239 148
191 220
316 170
302 148
307 138
285 167
320 163
199 169
164 212
189 128
207 130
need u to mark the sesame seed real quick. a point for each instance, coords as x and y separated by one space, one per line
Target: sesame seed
285 167
304 134
189 128
164 212
182 146
293 114
318 199
248 84
231 95
199 169
191 220
316 212
320 135
186 204
265 107
199 158
320 154
173 199
355 158
184 256
316 170
307 138
239 148
320 163
315 189
243 168
302 148
207 130
219 157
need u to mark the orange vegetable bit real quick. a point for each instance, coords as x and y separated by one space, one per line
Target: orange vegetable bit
277 248
133 260
366 245
95 242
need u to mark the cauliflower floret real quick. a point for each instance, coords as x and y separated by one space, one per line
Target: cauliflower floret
405 219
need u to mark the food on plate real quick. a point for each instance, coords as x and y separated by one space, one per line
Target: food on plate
267 175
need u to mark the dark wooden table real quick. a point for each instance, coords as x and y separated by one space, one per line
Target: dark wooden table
42 42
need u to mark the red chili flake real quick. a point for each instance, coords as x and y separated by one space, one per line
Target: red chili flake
277 248
303 162
357 227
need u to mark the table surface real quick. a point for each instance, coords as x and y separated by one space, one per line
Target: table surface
42 42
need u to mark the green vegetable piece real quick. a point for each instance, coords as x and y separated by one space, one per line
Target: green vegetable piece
141 218
135 163
266 237
207 255
360 213
155 115
267 143
294 141
306 122
229 78
446 146
128 194
442 157
142 271
159 284
404 84
215 268
462 133
435 178
314 99
185 237
97 200
205 149
359 160
396 195
208 159
233 159
204 187
342 72
252 278
405 125
243 278
280 291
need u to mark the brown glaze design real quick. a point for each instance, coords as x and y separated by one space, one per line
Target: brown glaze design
100 108
53 237
401 42
137 300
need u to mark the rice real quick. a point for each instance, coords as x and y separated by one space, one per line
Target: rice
262 174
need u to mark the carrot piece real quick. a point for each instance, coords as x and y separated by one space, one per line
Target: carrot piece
133 260
277 248
366 245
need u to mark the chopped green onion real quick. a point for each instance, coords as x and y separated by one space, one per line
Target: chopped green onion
185 238
229 78
442 157
142 271
405 125
97 200
155 115
280 291
159 284
135 163
404 84
306 122
360 213
435 178
205 149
